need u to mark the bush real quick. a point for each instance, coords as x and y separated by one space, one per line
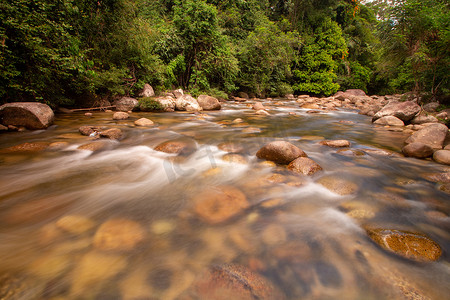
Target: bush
150 104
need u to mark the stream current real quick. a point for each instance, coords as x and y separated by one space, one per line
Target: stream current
306 240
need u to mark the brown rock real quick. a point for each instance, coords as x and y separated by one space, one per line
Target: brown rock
113 134
415 246
389 120
93 268
126 104
231 147
418 150
280 152
175 147
304 165
219 204
235 282
144 122
338 185
405 111
234 158
243 95
208 103
94 146
258 106
336 143
433 136
422 119
442 157
262 112
27 147
75 224
120 115
32 115
118 234
310 106
86 130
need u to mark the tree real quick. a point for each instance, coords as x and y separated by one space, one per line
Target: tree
416 36
318 59
265 58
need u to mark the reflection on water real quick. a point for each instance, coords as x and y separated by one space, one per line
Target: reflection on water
130 222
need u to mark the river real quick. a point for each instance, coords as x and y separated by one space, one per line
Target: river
307 241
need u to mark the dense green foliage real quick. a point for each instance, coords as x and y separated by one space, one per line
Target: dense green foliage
78 52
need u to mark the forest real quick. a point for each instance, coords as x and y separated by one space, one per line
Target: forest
79 52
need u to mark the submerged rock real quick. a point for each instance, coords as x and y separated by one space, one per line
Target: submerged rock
26 147
231 147
118 234
32 115
304 165
175 147
227 282
338 185
93 269
219 204
411 245
280 152
336 143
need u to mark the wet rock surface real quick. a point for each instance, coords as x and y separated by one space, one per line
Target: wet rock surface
219 204
118 234
225 282
280 152
304 165
411 245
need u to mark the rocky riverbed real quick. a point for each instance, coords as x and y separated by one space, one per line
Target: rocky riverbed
263 199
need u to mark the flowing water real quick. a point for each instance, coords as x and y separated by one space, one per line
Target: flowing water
304 239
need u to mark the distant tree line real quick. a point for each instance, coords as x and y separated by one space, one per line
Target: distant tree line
77 52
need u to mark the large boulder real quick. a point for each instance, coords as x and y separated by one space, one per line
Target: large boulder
280 152
208 102
423 119
187 103
417 150
147 91
167 102
433 136
126 104
405 111
32 115
356 92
